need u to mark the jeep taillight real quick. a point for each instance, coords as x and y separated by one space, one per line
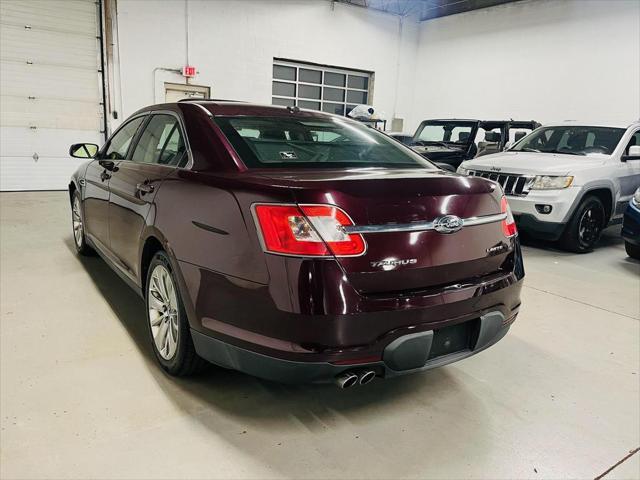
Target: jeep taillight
508 224
307 230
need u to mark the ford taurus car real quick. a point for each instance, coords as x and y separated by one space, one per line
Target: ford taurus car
294 245
567 182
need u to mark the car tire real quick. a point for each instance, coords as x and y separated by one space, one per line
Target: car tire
585 227
77 224
632 250
167 322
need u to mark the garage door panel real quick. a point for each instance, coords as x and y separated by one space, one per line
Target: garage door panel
47 47
62 15
20 141
50 90
50 113
47 81
48 173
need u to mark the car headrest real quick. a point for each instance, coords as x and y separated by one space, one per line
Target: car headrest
273 135
493 137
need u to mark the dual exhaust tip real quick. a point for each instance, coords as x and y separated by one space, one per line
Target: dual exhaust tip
351 379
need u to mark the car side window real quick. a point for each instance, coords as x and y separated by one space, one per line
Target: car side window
161 142
119 143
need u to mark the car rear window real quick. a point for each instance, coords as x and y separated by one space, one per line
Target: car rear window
332 142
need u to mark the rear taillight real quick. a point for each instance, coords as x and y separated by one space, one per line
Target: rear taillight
307 230
508 224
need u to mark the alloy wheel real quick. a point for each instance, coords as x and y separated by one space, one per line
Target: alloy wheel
590 226
162 303
78 227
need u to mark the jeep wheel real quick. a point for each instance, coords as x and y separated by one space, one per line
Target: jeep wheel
585 227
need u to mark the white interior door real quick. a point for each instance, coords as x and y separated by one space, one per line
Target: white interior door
50 89
174 92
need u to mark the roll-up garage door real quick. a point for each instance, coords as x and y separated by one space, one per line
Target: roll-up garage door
50 89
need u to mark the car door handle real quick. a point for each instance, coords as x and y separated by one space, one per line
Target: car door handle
107 164
145 188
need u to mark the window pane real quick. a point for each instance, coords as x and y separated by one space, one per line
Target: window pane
307 91
354 96
299 142
285 102
336 108
284 89
119 143
349 108
333 94
308 104
336 79
161 142
358 82
310 76
284 73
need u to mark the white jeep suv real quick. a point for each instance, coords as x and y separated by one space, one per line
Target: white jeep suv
567 182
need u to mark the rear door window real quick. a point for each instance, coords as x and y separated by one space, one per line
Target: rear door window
161 142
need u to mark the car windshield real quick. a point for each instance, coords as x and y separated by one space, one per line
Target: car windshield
444 132
306 142
571 140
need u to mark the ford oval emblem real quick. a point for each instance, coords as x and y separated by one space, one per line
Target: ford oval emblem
447 224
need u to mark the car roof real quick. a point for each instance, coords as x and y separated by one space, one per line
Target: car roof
574 123
232 107
483 122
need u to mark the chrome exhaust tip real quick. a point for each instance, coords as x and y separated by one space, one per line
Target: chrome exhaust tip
367 376
346 380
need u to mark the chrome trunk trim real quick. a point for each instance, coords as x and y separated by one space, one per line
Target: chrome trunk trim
421 226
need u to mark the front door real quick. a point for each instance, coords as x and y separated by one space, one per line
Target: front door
158 151
97 178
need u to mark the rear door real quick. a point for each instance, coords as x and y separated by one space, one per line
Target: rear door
402 253
159 149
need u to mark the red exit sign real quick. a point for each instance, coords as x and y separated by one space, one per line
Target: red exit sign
189 71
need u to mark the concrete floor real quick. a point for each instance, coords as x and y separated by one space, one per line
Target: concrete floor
82 398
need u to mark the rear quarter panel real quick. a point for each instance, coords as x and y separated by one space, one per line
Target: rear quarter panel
205 226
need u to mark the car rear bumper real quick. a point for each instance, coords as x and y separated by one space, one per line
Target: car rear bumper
311 315
409 353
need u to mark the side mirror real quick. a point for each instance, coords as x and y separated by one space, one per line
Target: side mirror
634 153
83 150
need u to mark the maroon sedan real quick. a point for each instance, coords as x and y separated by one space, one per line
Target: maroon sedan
294 245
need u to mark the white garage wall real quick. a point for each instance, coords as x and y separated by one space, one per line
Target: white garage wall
548 60
233 43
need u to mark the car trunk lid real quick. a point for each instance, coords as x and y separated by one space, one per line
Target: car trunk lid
406 255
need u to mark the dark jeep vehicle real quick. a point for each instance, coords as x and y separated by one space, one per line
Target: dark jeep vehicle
453 141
